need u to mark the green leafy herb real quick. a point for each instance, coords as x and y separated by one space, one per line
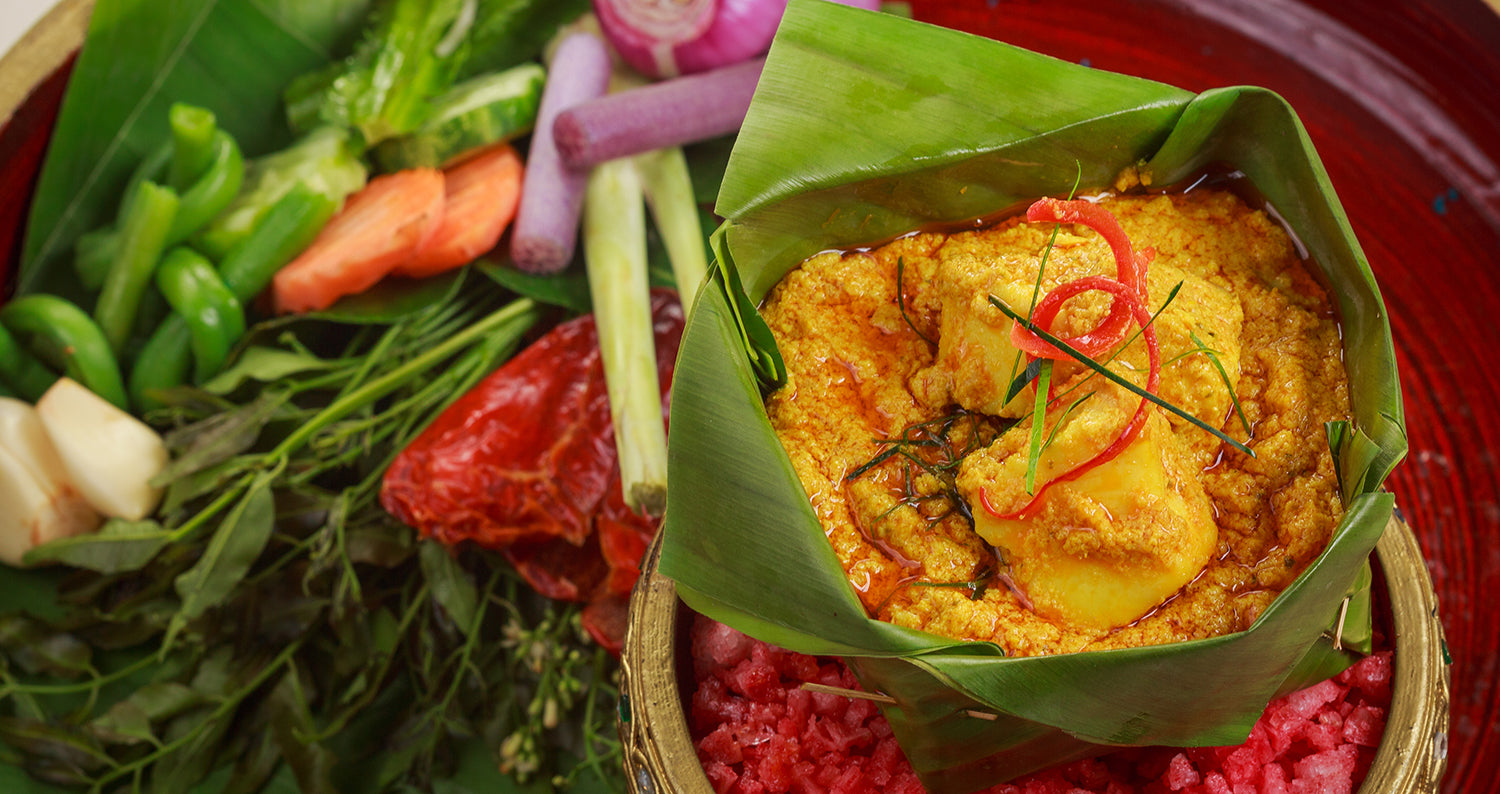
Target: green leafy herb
277 615
1130 340
1019 383
935 447
977 586
1036 294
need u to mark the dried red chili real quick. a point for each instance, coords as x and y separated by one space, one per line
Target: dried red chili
525 464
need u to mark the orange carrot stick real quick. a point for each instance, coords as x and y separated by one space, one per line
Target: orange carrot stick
379 229
482 194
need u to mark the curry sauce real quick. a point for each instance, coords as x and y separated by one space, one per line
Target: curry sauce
896 418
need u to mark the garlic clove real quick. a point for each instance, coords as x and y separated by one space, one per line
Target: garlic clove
109 455
40 504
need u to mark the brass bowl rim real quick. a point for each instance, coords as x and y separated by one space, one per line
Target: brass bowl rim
40 52
660 756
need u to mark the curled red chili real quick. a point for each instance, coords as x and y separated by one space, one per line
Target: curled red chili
1130 269
1129 293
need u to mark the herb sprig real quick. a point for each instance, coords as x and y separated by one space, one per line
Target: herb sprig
931 448
1115 378
277 623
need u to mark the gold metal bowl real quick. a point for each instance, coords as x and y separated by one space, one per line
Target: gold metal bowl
660 758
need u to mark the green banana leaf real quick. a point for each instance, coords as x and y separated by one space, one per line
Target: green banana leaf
865 127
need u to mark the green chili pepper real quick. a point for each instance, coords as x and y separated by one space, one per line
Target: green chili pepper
283 232
162 363
69 333
144 225
25 376
194 131
211 193
213 314
94 255
152 168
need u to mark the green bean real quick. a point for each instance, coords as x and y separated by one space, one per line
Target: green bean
217 185
74 337
283 232
144 225
148 315
95 251
202 162
194 131
27 377
213 314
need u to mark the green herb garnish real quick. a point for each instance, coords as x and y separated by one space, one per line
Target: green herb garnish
1126 384
901 301
1038 420
1213 358
929 448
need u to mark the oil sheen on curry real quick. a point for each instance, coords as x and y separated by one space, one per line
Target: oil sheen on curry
961 503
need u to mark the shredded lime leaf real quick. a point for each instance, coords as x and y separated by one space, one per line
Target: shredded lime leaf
1131 387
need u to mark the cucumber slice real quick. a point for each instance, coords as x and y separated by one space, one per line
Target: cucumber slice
475 113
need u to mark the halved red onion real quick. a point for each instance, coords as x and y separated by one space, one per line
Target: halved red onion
668 38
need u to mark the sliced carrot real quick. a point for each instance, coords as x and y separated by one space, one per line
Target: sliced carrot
483 192
379 228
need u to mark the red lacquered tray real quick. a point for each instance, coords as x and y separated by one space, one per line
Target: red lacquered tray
1403 103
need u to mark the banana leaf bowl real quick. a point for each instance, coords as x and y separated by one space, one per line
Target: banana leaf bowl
795 188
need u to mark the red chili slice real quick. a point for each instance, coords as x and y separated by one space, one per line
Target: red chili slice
1100 220
1131 271
1129 300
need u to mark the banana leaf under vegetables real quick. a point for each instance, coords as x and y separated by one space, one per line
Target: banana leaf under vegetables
234 56
865 127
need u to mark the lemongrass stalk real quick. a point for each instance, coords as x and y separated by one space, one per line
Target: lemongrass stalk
669 193
614 250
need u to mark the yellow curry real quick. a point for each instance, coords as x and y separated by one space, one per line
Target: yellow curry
908 415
